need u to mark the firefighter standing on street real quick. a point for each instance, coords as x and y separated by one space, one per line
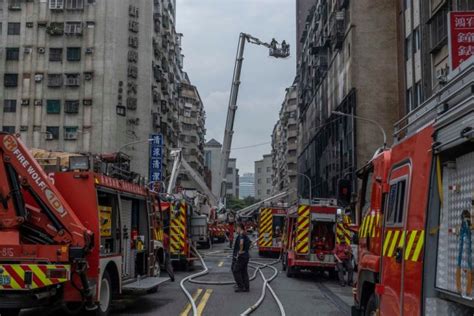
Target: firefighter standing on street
343 255
241 260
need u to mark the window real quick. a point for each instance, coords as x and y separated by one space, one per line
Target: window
268 191
55 80
8 129
71 106
55 28
52 132
10 80
73 80
230 170
366 193
409 99
269 169
408 47
53 106
407 4
9 106
464 5
417 39
396 203
14 28
13 53
74 4
439 27
73 28
259 170
418 94
70 132
229 185
269 180
73 53
55 54
56 4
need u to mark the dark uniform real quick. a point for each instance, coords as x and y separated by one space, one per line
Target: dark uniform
240 263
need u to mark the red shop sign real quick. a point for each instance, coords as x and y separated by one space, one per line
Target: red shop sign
461 37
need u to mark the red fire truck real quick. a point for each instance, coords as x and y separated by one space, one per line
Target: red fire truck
176 231
74 238
271 221
310 236
416 207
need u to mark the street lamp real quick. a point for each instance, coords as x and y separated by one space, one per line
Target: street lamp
310 183
367 120
135 142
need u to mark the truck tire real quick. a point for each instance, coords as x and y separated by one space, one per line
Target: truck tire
105 298
372 306
10 312
169 268
283 263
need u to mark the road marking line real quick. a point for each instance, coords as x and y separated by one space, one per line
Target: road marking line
204 300
220 264
188 307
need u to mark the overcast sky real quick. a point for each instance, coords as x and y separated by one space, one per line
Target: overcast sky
211 29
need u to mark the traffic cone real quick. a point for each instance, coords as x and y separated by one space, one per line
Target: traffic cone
458 279
469 283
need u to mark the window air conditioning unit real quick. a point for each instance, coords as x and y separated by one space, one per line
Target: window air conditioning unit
442 75
70 135
38 77
87 102
29 24
25 102
39 102
41 50
89 50
88 76
27 50
49 136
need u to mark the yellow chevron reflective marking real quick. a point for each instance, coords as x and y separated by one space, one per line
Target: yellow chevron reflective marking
40 275
419 246
362 227
411 240
371 226
266 225
303 235
386 242
393 243
401 243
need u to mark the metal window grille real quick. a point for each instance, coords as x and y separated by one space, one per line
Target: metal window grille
74 4
9 106
55 54
71 106
55 80
13 53
56 4
14 28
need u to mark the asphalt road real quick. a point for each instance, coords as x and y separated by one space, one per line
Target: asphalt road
307 294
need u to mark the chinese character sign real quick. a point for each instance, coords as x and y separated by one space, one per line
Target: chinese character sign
156 157
461 37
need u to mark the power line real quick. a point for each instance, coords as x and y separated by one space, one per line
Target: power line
251 146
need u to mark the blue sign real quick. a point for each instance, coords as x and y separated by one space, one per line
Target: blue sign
156 157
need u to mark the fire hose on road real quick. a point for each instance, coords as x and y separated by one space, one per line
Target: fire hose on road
257 266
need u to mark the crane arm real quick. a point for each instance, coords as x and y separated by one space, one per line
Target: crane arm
22 179
180 162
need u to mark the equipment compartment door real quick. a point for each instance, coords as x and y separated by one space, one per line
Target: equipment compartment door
394 241
265 226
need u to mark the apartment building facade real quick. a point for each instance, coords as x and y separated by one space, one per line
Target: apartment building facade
91 75
212 161
285 145
423 48
263 177
341 69
192 130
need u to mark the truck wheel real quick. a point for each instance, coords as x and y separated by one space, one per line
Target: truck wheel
105 297
372 306
10 312
169 268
